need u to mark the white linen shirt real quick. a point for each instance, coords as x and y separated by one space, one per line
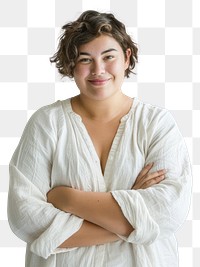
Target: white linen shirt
56 149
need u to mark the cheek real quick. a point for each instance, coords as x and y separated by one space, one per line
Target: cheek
81 71
119 69
119 65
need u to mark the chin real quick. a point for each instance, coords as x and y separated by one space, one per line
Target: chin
101 94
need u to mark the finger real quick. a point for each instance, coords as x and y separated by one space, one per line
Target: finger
150 179
153 181
141 176
145 170
142 180
154 174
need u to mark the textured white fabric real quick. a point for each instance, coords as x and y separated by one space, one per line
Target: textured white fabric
55 149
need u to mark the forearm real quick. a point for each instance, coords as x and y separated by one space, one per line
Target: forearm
99 208
89 235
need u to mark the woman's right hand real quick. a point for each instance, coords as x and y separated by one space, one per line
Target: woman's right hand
146 179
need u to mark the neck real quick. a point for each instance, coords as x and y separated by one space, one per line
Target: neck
101 110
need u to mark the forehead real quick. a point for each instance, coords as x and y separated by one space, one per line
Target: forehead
100 44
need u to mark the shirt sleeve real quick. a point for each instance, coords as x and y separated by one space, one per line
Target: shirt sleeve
158 211
30 217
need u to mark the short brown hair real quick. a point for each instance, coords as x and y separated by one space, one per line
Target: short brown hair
86 28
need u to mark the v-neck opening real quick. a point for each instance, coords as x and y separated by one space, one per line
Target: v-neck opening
88 139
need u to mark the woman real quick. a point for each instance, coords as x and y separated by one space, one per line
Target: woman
99 179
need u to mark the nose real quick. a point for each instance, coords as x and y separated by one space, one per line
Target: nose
98 68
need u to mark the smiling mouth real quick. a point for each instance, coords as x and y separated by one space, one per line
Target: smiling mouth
99 81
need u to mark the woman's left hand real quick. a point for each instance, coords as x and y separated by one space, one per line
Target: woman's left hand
146 179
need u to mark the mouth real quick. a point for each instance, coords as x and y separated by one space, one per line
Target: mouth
98 82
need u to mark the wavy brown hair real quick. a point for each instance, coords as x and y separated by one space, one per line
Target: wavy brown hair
90 25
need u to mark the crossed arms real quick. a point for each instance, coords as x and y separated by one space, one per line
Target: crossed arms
103 218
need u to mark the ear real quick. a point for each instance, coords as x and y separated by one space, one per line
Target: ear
127 57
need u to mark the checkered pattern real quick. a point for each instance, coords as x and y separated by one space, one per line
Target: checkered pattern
168 75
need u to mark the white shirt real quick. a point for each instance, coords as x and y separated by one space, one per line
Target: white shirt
55 149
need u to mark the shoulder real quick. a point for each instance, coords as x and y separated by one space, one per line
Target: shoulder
48 120
49 115
152 113
153 121
157 127
48 112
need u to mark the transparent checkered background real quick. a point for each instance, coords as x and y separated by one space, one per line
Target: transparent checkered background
168 75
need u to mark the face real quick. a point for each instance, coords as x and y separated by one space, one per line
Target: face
100 68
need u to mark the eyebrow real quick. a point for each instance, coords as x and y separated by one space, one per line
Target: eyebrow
104 52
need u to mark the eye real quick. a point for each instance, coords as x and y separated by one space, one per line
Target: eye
109 57
84 60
